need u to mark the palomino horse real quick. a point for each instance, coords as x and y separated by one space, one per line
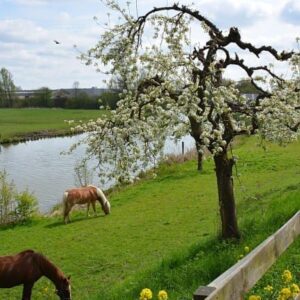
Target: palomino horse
87 194
26 268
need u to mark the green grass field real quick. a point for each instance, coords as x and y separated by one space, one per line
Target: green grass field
16 124
163 232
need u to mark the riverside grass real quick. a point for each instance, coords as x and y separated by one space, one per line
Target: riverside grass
163 232
16 124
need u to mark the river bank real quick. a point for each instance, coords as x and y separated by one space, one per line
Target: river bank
21 125
36 135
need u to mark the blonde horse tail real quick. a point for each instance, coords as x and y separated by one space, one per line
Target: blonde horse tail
65 206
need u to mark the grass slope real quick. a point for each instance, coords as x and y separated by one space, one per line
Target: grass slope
162 232
18 123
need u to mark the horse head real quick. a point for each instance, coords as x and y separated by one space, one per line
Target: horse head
103 201
106 207
64 289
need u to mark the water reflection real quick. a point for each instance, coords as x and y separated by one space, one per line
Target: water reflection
40 167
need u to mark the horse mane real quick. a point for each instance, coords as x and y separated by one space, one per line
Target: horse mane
100 194
26 251
48 268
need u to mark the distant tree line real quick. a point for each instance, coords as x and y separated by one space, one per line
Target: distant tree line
43 97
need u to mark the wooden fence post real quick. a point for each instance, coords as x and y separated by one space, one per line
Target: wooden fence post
203 292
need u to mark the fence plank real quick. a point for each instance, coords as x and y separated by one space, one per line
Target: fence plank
236 281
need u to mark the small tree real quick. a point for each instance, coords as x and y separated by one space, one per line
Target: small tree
7 193
7 88
83 176
182 92
75 88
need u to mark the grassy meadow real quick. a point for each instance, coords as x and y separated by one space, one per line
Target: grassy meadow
163 232
16 124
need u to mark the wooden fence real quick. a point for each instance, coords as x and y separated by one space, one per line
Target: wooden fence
240 278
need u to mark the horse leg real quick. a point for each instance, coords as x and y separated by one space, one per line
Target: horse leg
87 210
66 213
27 288
94 208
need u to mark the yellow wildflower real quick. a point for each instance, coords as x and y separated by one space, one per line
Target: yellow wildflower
287 276
146 294
254 297
295 289
247 249
162 295
285 294
268 288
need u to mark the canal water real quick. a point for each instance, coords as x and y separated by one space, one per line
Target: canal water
40 166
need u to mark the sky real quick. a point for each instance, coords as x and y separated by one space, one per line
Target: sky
28 29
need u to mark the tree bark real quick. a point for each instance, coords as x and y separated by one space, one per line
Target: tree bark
199 157
196 130
200 162
226 195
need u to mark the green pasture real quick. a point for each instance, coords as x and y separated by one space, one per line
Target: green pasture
16 124
163 232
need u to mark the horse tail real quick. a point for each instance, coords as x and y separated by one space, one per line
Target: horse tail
65 205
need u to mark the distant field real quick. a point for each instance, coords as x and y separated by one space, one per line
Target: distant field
17 124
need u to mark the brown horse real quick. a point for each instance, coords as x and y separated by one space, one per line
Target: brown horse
87 194
26 268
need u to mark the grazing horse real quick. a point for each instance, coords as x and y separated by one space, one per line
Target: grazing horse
87 194
26 268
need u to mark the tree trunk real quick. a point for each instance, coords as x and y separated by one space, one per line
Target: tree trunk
199 156
226 195
200 162
196 133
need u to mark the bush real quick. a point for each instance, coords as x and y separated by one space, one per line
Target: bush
26 206
14 207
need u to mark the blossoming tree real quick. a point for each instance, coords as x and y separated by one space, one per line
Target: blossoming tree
181 92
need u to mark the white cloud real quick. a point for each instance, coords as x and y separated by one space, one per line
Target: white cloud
28 51
22 31
64 17
30 2
41 2
291 12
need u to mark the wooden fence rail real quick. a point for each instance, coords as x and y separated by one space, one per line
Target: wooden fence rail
241 277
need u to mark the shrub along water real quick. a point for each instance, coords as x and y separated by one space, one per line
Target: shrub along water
15 207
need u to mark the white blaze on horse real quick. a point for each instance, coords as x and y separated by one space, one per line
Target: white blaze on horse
84 195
